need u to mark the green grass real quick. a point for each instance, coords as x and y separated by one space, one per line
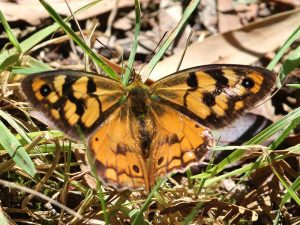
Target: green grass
129 67
171 37
79 41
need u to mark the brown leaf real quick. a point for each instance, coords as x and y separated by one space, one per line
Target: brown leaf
226 20
243 46
22 9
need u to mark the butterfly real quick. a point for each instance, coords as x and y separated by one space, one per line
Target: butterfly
137 132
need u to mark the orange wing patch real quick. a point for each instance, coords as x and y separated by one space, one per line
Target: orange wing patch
117 153
179 142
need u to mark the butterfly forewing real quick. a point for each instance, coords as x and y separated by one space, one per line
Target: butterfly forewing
214 95
117 152
76 102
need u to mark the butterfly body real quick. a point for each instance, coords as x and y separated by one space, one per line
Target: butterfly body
137 132
139 103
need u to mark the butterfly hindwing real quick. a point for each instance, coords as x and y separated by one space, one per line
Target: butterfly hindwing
117 152
74 101
178 143
131 150
214 95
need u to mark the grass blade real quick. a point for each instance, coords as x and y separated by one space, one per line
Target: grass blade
295 187
79 41
292 62
138 217
294 36
135 42
10 33
294 85
262 136
186 14
250 167
12 122
29 42
32 66
3 219
99 187
286 186
13 147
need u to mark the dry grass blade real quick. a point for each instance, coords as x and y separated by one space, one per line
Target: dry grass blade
37 194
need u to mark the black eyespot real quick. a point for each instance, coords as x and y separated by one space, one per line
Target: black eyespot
96 139
45 90
136 168
248 83
160 160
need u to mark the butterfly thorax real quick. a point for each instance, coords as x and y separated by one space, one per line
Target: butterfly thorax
139 98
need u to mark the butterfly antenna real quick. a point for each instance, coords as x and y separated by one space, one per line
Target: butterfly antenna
114 55
152 52
86 58
184 51
76 21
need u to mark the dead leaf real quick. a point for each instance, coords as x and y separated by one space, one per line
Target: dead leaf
22 9
243 46
227 18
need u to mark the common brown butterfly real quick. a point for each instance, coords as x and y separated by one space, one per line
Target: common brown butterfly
137 133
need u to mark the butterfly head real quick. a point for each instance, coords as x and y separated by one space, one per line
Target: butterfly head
134 77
